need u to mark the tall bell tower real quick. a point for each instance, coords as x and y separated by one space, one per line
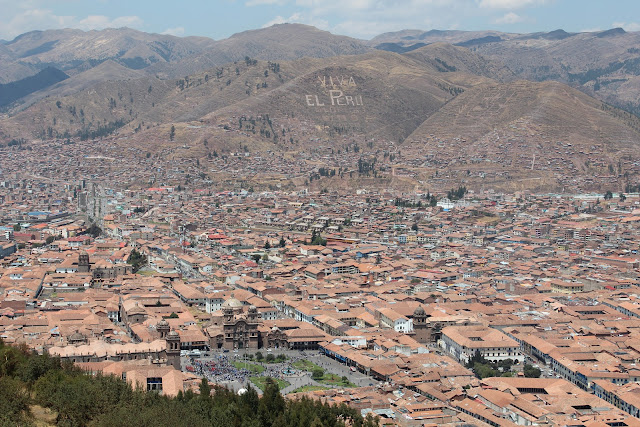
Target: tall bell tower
83 262
421 331
173 350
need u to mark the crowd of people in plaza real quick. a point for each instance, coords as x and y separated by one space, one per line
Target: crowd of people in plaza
218 369
221 368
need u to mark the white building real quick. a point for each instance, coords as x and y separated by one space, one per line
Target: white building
462 342
392 319
354 341
214 302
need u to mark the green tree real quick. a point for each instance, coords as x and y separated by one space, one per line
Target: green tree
317 373
205 388
16 227
270 358
608 195
371 420
94 230
137 260
172 133
457 194
482 370
272 403
79 399
622 197
316 239
283 242
14 402
530 371
259 356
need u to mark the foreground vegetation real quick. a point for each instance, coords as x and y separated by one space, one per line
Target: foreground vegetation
29 382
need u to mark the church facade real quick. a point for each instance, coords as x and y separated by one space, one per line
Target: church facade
238 330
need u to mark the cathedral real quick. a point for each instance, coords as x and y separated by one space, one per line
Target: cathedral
236 329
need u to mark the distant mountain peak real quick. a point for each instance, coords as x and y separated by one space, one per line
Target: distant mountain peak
612 32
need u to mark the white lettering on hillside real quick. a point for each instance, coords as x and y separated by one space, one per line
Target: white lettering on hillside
336 96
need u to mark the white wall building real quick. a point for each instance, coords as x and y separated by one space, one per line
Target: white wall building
462 342
392 319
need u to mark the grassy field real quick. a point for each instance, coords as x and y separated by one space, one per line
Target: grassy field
307 388
260 382
277 358
305 365
250 366
328 379
335 380
147 273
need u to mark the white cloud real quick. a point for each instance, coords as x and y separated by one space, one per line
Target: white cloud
19 17
277 20
509 18
508 4
33 19
177 31
363 29
299 18
367 18
628 26
265 2
99 22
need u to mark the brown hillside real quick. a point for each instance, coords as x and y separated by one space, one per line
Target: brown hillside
529 131
282 42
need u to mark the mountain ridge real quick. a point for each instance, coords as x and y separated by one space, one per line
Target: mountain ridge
436 116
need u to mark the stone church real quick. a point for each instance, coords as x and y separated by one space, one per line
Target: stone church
236 329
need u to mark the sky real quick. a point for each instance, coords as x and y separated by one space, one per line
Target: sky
363 19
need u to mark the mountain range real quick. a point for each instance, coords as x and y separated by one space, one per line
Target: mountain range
440 107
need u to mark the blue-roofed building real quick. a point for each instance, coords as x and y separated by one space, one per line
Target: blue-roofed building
39 214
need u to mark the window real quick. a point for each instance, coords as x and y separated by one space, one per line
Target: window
154 384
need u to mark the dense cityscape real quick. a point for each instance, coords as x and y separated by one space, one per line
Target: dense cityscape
468 309
324 221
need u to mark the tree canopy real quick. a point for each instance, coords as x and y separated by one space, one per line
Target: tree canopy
316 239
81 399
137 260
